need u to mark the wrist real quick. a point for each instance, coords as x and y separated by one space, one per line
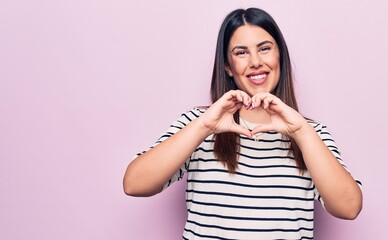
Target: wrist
201 128
303 133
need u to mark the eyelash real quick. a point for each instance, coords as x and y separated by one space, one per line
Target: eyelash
263 49
238 53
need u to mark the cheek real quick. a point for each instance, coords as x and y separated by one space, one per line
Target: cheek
238 66
273 61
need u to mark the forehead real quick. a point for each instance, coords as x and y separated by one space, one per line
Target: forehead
250 35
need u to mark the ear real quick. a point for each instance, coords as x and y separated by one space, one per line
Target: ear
227 69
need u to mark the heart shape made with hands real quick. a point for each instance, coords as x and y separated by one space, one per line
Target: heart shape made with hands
281 117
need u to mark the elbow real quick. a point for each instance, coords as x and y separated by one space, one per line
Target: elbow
129 190
129 186
353 210
135 184
351 214
135 190
354 206
349 210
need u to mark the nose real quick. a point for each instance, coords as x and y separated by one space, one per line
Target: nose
255 60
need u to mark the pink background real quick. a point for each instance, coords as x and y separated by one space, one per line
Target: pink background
86 84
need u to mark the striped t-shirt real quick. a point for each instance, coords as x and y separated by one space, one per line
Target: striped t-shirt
266 198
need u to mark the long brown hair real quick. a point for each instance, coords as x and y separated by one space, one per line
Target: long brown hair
227 145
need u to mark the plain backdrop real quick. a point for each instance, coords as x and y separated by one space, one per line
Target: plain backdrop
86 84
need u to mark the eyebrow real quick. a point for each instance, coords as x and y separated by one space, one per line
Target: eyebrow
258 45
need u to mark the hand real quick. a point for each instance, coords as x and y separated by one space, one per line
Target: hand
218 118
284 119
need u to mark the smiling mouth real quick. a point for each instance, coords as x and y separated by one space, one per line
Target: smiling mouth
258 77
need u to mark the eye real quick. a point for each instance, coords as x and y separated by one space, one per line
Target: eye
265 49
241 53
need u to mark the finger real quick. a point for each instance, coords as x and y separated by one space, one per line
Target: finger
236 95
275 105
258 99
232 94
242 97
255 102
267 101
237 106
247 100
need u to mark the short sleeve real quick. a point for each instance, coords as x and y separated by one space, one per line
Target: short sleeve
176 126
326 137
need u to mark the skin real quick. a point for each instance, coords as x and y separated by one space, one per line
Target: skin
252 51
146 174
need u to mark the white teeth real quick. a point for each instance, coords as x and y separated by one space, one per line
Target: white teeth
257 77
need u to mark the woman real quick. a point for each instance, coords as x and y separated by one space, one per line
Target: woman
254 164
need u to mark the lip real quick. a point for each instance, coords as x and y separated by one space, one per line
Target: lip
258 80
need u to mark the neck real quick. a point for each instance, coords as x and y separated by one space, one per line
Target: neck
257 115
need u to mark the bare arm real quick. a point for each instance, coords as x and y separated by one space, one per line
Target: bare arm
340 192
147 174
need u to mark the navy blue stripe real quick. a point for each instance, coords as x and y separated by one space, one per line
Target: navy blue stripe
167 134
269 132
244 164
187 117
202 149
339 159
250 185
267 157
325 133
249 196
174 126
251 218
332 146
333 150
265 149
202 109
328 139
266 140
248 156
179 121
250 175
316 124
192 112
248 147
250 207
250 229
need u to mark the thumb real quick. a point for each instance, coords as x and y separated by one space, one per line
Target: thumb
240 130
262 128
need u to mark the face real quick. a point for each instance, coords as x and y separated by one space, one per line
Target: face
253 60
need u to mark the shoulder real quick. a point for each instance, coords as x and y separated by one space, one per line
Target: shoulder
192 114
319 127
